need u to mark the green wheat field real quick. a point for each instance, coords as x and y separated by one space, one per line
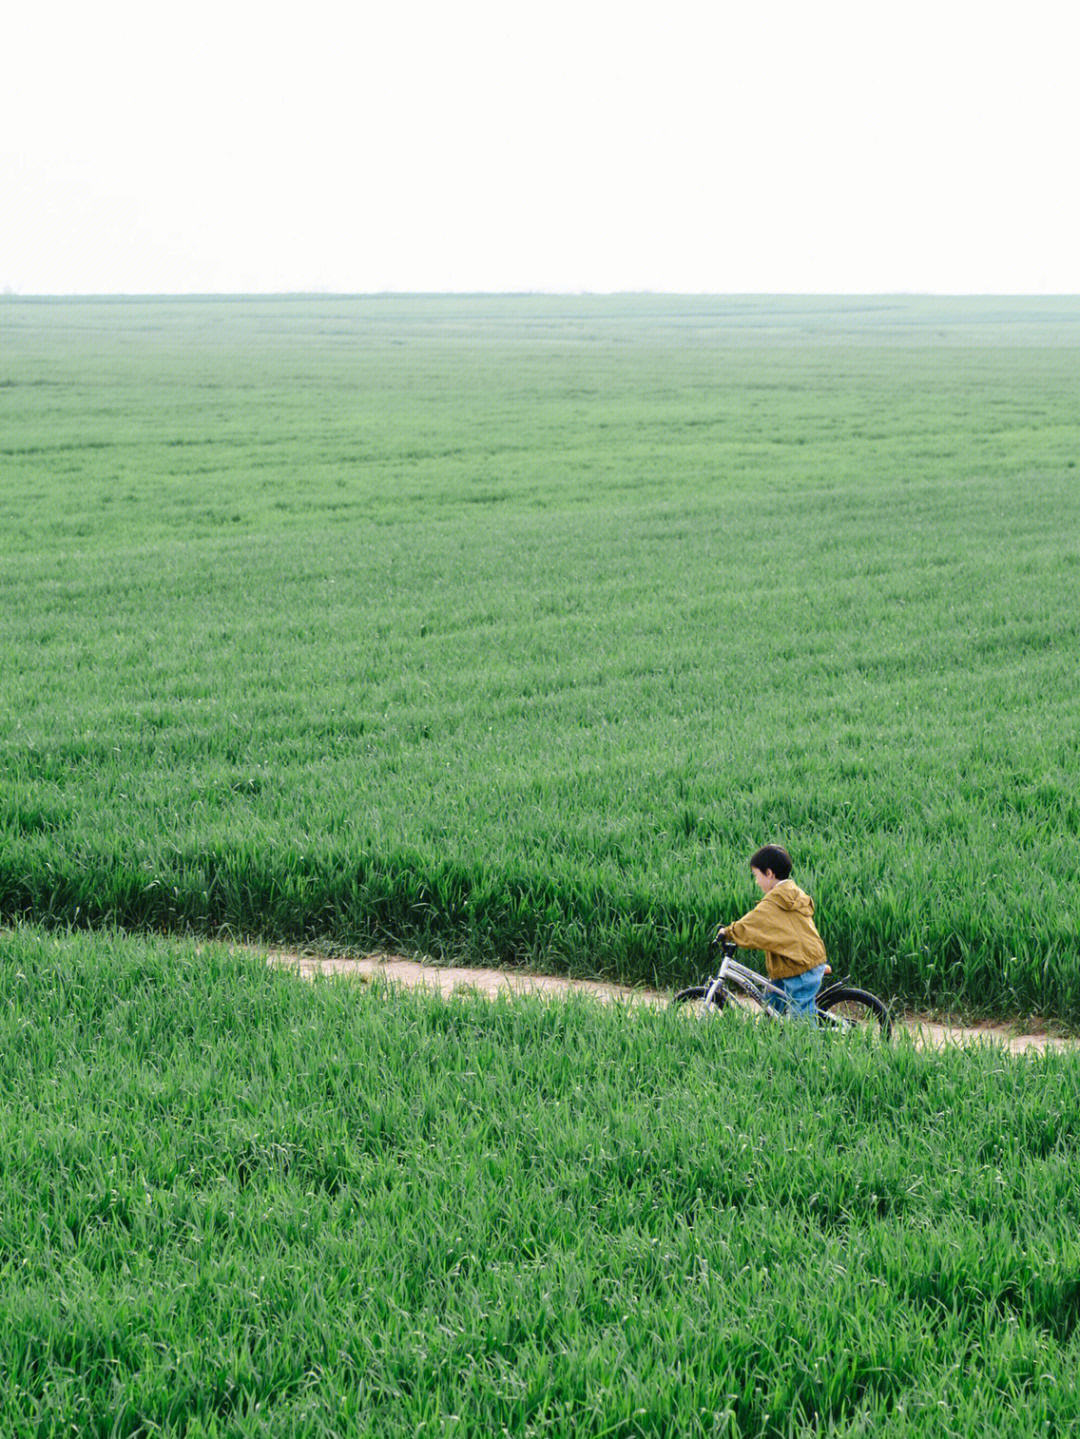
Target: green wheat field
509 628
234 1203
505 630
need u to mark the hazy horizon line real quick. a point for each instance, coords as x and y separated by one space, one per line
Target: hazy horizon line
10 293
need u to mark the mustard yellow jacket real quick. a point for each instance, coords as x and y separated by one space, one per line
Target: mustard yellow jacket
783 926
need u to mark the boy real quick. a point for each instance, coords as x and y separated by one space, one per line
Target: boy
782 924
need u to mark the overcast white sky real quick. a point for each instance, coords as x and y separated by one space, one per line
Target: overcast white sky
826 146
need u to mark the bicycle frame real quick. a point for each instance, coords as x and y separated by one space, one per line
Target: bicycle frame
748 980
756 987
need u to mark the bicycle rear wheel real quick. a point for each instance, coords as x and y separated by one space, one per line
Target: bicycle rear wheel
698 992
853 1009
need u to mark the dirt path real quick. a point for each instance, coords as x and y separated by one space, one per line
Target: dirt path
446 979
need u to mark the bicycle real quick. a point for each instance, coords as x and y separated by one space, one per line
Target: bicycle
839 1006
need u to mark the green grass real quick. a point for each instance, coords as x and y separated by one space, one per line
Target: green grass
232 1203
508 628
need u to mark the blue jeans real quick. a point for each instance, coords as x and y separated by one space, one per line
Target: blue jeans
800 991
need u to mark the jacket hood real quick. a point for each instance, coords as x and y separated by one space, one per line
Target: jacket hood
788 895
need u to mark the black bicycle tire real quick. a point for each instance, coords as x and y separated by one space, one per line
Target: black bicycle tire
699 991
847 994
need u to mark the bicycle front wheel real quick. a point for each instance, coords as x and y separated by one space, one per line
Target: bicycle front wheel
697 992
853 1009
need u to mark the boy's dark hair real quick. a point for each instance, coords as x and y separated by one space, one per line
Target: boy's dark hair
771 856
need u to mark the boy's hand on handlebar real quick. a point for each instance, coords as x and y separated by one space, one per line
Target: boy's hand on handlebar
719 937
